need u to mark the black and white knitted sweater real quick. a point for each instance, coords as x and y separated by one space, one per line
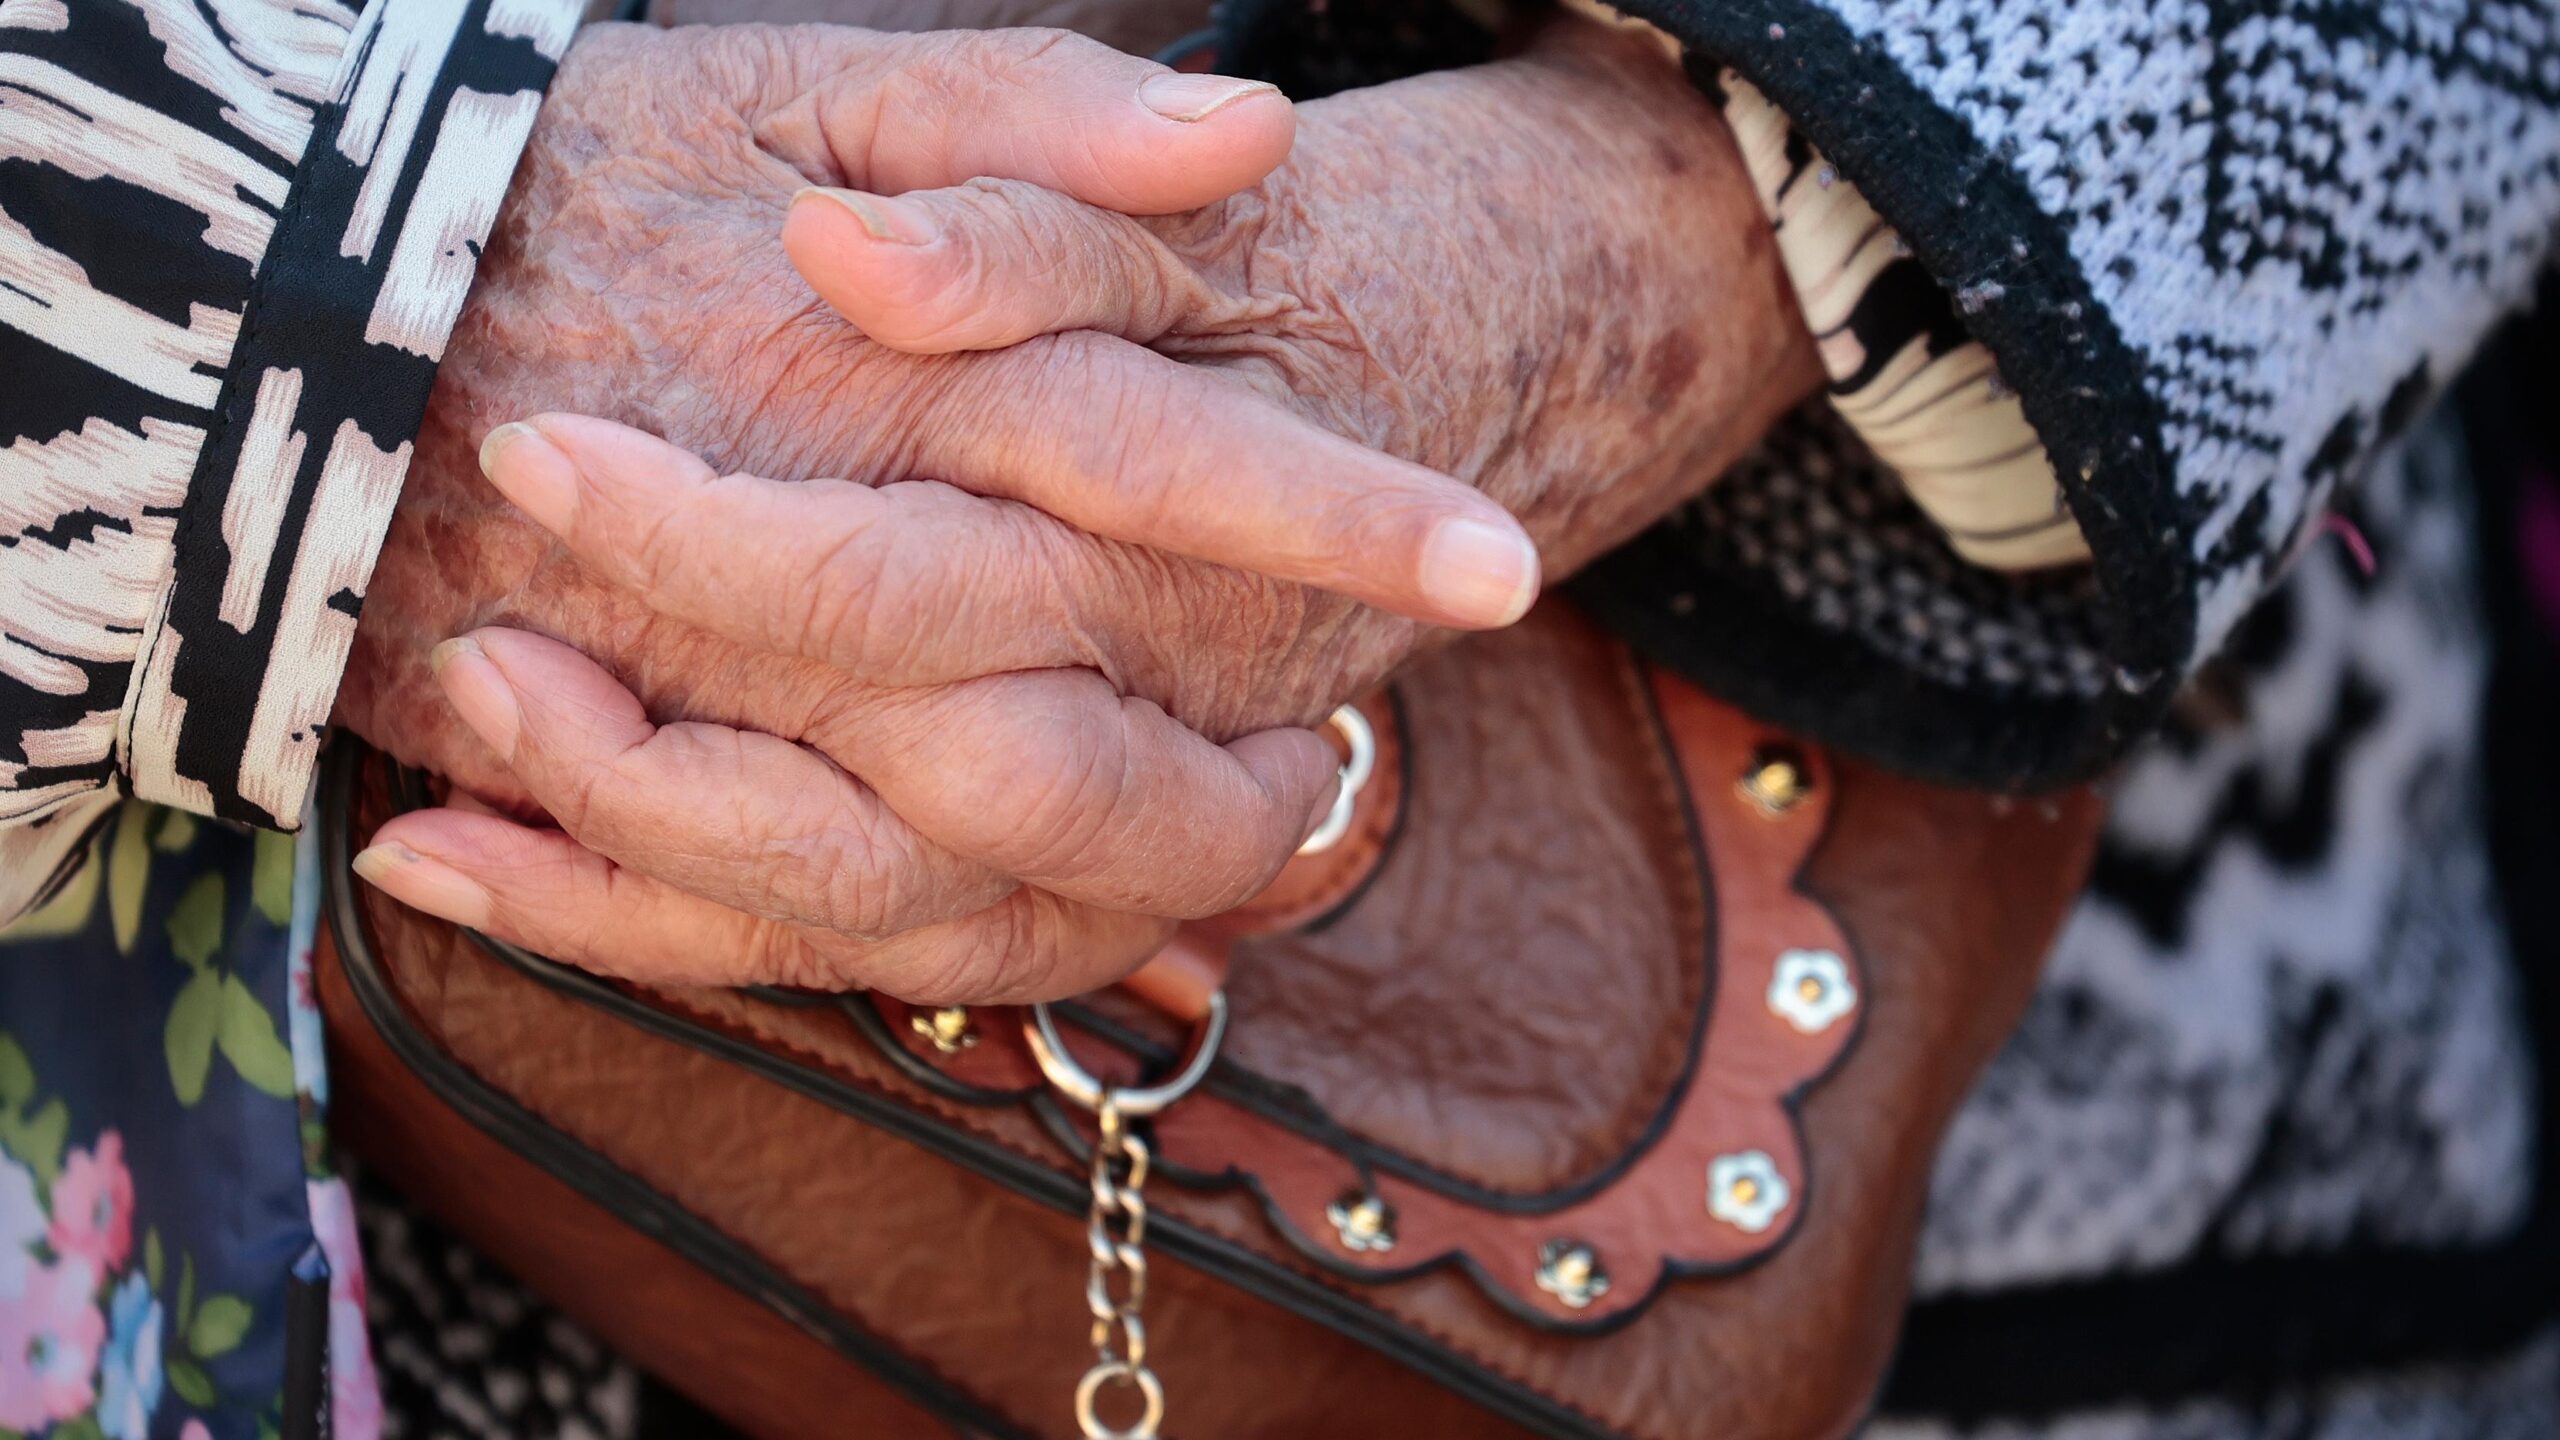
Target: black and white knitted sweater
2224 252
2273 1153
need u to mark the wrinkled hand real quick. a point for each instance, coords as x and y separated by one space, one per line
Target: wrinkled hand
1012 834
1548 277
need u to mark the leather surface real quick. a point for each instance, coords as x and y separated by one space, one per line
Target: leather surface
1511 1002
620 1284
1513 996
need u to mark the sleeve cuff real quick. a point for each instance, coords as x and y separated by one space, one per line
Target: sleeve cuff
361 283
1907 377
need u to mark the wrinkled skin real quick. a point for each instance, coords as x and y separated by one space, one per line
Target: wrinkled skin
1545 277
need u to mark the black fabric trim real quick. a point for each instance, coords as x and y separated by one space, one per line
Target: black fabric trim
304 1403
1971 221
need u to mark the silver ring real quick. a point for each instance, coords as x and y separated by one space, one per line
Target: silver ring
1353 727
1078 1084
1089 1391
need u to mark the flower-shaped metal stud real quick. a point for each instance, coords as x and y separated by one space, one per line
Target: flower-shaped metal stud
1570 1271
949 1029
1811 990
1745 1190
1364 1223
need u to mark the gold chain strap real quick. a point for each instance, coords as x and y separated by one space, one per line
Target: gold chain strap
1116 1230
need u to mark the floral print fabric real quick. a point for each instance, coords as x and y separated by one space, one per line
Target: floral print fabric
173 1242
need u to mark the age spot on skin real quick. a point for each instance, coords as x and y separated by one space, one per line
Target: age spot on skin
1671 367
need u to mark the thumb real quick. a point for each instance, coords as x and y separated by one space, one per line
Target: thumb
1044 106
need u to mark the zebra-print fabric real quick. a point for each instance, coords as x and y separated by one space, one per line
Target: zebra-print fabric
233 237
1906 375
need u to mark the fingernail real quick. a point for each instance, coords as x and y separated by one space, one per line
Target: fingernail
1188 98
423 884
534 473
1481 573
900 222
478 692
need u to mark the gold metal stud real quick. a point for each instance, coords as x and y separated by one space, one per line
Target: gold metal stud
1571 1271
1365 1223
949 1029
1777 781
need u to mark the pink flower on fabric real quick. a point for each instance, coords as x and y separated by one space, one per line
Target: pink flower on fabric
49 1339
93 1206
194 1430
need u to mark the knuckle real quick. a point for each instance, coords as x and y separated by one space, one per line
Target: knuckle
860 598
1070 785
1026 57
777 954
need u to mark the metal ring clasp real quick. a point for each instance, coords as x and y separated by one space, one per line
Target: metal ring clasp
1353 727
1079 1084
1089 1393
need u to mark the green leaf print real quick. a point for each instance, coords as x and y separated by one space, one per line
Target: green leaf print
271 881
128 873
195 926
177 831
219 1327
192 1384
154 1263
67 913
194 1019
37 1139
17 1075
249 1041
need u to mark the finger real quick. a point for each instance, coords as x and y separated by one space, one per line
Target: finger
1045 106
745 820
1151 452
914 583
1054 778
1120 441
985 265
542 890
1047 776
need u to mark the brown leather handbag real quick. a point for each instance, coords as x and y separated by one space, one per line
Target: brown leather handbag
1585 1084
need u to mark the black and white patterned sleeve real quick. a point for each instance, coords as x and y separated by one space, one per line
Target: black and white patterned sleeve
2221 252
234 235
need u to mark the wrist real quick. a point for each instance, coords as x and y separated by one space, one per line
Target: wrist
1685 340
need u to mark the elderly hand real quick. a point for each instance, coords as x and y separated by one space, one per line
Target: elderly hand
1548 276
1012 834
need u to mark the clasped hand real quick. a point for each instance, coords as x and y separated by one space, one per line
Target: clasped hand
943 477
